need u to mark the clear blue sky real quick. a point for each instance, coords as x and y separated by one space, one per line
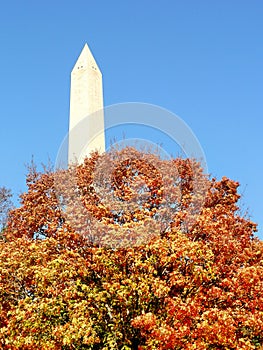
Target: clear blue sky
202 60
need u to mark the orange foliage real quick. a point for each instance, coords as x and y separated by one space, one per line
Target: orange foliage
128 251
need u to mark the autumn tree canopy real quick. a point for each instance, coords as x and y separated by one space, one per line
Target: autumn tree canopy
130 251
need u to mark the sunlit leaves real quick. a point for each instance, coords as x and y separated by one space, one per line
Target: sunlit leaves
193 280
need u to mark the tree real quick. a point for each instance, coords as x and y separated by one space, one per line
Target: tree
5 206
129 251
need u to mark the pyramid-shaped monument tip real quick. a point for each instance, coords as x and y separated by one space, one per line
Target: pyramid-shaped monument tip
86 60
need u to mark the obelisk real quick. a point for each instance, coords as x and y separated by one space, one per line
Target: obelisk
86 123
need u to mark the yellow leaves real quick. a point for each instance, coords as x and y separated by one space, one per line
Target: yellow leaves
178 275
160 288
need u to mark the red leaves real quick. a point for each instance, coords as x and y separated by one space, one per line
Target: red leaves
183 270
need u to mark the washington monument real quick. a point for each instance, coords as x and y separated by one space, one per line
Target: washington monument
86 121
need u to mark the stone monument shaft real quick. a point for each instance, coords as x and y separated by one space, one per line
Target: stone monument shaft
86 123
